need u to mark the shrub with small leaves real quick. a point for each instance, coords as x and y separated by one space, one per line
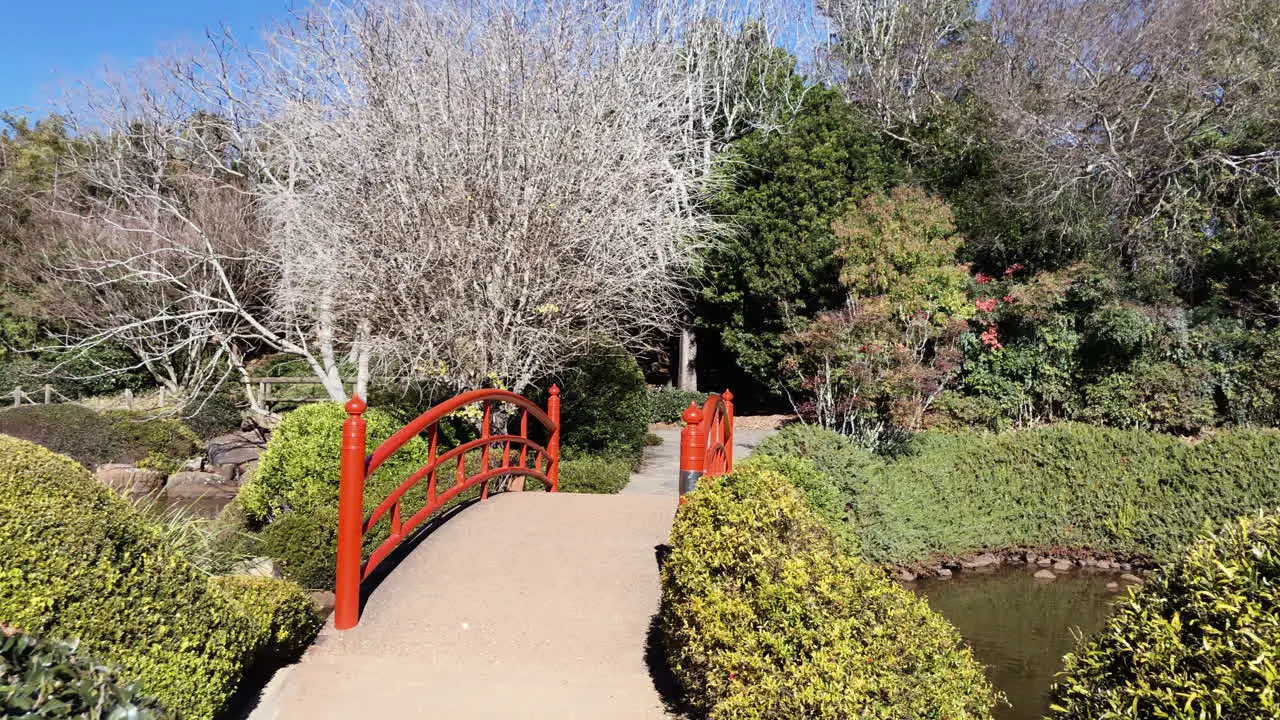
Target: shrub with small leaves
669 403
44 679
1201 639
284 618
765 618
592 474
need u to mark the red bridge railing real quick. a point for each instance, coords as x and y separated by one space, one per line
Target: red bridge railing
501 455
706 442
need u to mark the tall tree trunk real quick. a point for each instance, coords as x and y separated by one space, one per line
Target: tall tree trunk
687 361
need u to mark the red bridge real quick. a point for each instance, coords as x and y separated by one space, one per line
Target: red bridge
525 605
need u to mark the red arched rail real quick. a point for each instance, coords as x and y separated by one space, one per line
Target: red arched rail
504 454
706 442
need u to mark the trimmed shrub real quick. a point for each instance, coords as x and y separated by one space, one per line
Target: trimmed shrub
1200 640
669 403
93 438
605 404
43 679
765 618
592 474
1129 492
284 619
299 469
305 542
818 488
80 562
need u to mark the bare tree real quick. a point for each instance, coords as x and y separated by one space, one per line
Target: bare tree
897 59
468 191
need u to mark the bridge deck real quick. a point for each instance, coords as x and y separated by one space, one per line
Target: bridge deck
528 605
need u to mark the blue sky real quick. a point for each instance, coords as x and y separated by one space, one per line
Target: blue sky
48 45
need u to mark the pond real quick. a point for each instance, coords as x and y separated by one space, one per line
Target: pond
1020 627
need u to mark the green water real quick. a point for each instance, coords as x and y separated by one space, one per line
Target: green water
1020 628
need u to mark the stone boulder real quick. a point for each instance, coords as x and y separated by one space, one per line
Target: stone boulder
984 560
200 484
129 479
1045 575
258 567
1063 565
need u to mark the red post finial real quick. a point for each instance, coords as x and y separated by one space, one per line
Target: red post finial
555 390
728 396
692 414
356 405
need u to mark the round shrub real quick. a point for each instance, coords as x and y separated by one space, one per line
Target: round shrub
669 403
605 404
299 469
1200 640
765 618
44 679
284 619
81 563
305 542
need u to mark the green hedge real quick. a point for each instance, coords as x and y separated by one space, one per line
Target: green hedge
44 679
1200 640
765 618
1124 491
94 438
670 403
80 562
592 474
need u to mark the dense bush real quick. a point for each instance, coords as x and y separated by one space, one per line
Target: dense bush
44 679
299 469
80 563
765 618
669 403
1198 640
592 474
605 404
1129 492
93 372
216 414
305 542
283 618
94 438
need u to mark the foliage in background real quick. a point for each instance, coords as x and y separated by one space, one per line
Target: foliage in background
1198 639
94 438
782 192
877 366
48 679
669 403
605 404
766 618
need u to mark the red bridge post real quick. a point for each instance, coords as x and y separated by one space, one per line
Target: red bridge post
553 443
693 449
346 605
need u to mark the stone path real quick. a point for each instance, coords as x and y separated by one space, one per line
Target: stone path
527 605
660 473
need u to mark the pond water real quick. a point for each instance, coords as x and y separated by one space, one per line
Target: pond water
207 506
1020 627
